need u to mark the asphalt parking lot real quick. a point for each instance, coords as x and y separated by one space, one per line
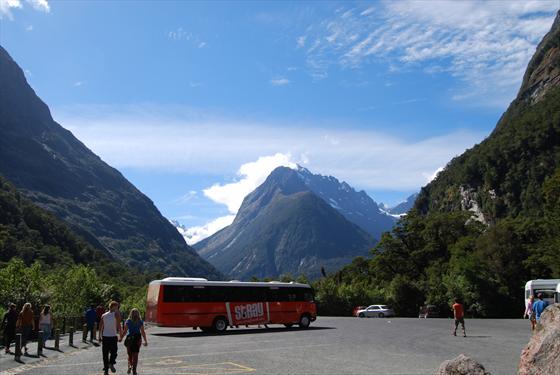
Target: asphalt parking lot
397 346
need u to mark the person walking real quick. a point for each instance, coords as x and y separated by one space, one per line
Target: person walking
26 321
99 311
539 306
529 312
109 328
9 323
45 324
134 332
459 315
91 318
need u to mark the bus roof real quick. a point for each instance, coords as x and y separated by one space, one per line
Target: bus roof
204 282
542 282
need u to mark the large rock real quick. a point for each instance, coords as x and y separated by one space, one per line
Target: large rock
461 365
542 355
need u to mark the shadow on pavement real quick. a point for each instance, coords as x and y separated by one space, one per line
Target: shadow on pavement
236 332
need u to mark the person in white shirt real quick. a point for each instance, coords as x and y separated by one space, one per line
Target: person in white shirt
109 331
45 324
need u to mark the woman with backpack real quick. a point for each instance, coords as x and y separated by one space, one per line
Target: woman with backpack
134 332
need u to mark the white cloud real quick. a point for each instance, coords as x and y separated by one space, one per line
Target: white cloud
429 177
279 81
185 198
300 42
40 5
179 34
484 45
196 234
187 141
78 83
29 28
6 6
251 175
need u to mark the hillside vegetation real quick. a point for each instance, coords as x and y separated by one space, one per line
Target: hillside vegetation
43 261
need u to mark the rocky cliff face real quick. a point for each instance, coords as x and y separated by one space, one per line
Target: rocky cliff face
542 355
543 71
59 173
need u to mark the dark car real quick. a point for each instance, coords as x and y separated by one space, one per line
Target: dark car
428 311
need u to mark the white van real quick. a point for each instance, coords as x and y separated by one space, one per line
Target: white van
547 287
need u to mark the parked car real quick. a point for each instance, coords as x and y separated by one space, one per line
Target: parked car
356 309
376 311
428 311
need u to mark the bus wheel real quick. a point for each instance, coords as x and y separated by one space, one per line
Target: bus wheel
288 325
304 321
220 324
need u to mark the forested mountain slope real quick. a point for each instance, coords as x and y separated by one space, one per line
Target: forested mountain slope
33 234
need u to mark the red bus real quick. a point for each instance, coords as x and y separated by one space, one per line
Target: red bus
217 305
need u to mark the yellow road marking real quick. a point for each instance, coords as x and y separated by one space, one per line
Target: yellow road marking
202 369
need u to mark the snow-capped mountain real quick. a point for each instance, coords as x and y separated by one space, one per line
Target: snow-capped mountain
285 227
355 206
401 208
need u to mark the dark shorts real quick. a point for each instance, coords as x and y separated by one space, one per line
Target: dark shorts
460 321
133 343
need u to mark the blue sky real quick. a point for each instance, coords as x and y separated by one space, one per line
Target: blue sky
180 95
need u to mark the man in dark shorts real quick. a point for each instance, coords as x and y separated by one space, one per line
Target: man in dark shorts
459 315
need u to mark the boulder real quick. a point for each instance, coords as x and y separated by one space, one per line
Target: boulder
542 355
461 365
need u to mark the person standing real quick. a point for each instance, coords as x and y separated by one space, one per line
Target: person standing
134 332
459 315
108 329
26 321
45 324
539 306
91 318
529 312
9 323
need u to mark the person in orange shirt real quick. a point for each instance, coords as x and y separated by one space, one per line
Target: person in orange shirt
459 315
